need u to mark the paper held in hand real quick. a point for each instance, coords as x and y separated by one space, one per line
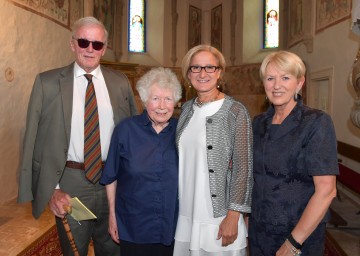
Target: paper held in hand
79 211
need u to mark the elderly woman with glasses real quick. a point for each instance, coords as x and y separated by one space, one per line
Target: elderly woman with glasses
214 141
141 172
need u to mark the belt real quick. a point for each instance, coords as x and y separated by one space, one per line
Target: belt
80 166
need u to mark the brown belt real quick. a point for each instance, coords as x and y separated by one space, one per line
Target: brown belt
80 166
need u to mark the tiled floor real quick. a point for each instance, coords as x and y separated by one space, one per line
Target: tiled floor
347 236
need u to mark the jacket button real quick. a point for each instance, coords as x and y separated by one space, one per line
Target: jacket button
211 170
213 195
209 121
209 147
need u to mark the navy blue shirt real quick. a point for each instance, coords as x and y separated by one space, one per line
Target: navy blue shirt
145 165
286 157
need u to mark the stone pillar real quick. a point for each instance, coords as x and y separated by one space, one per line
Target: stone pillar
174 20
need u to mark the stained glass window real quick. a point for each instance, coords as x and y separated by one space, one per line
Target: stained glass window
137 26
271 23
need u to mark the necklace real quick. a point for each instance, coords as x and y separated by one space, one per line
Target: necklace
199 103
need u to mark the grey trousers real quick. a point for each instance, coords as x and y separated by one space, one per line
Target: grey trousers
93 196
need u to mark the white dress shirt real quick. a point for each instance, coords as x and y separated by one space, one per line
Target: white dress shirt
106 120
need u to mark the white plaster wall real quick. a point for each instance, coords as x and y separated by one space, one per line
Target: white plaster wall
29 44
336 47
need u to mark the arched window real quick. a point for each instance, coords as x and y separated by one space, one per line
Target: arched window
137 40
271 24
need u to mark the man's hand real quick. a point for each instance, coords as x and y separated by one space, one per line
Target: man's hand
57 202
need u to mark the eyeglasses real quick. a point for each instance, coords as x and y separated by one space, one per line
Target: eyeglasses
84 43
208 69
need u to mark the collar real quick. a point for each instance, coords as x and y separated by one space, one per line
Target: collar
78 71
145 120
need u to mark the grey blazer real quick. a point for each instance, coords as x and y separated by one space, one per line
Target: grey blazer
229 155
48 127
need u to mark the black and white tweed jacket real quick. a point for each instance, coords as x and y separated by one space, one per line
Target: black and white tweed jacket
229 153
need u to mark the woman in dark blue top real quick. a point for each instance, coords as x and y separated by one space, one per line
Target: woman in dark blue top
295 166
141 172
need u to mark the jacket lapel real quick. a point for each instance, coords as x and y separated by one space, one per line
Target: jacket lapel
66 82
112 90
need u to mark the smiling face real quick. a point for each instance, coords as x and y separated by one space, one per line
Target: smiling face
160 104
204 82
280 87
88 58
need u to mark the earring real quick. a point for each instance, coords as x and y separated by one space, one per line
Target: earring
266 98
296 96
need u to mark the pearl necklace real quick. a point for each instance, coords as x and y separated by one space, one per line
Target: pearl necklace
199 103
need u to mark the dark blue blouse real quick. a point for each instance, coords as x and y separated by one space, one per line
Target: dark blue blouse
286 157
145 165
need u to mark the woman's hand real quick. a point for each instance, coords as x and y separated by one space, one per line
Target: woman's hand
113 229
286 249
228 229
111 195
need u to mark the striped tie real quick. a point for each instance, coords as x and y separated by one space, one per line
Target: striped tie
92 146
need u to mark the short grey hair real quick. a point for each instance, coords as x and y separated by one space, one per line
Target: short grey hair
88 21
164 78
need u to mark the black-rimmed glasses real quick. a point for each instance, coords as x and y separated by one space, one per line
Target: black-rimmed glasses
208 69
84 43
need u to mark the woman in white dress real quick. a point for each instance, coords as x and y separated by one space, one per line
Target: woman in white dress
214 140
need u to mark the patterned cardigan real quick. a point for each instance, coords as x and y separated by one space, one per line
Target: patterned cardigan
229 155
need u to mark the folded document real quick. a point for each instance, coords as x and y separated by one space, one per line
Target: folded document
79 211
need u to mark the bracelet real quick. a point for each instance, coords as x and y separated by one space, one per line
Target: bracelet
293 250
293 242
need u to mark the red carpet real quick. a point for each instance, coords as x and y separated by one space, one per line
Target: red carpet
48 245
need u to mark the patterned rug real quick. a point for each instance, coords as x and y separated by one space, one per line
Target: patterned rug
48 244
331 247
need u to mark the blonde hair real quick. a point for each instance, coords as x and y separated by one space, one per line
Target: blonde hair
185 65
285 61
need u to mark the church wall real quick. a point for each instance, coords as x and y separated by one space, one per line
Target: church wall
29 44
337 52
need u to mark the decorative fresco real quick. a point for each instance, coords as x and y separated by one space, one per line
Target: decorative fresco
329 12
55 10
216 27
194 26
104 12
296 25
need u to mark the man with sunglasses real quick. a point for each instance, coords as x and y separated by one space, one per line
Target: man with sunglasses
53 169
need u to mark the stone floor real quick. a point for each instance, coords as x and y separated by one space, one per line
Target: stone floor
348 235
